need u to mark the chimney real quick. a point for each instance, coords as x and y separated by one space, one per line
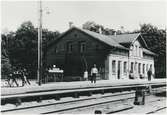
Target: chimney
70 24
100 30
122 29
115 33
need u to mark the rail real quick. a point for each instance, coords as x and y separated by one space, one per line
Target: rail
125 96
81 103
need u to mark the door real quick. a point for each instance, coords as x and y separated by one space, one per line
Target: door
119 69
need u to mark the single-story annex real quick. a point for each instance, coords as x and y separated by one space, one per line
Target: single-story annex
76 50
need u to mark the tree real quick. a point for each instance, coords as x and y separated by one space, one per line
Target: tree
5 63
48 36
108 31
22 46
154 37
156 41
92 26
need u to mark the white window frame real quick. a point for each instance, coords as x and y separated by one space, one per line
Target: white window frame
69 47
82 46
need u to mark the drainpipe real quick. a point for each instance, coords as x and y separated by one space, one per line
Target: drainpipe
86 69
129 60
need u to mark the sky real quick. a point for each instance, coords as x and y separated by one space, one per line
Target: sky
110 14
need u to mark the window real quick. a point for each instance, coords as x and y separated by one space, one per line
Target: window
151 67
147 67
132 67
135 68
125 67
69 47
56 50
132 50
82 47
114 66
141 52
139 68
97 47
143 68
136 50
75 35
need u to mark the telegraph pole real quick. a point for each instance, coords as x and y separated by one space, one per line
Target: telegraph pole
39 71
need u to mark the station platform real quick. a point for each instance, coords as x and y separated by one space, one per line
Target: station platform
73 85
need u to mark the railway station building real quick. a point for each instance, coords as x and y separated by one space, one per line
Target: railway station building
116 56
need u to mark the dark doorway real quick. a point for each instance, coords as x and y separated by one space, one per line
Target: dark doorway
119 69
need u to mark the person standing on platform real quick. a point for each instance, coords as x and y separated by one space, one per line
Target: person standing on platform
94 72
149 74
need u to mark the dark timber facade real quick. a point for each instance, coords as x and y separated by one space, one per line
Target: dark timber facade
76 50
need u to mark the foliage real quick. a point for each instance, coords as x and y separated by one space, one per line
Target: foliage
22 46
5 64
154 37
156 41
92 26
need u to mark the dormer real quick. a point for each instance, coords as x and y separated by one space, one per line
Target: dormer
136 49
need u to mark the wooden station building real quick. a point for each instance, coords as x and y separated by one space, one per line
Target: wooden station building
76 50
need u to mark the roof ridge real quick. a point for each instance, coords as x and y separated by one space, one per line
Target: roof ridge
106 37
124 34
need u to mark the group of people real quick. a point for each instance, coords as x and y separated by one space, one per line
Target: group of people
18 74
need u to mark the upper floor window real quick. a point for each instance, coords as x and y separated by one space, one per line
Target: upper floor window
75 35
131 50
69 47
82 47
136 50
97 47
139 51
56 49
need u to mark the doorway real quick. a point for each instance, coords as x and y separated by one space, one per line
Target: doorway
119 69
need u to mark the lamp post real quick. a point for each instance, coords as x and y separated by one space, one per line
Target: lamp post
39 71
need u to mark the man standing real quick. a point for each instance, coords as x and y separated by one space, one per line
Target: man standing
94 73
149 74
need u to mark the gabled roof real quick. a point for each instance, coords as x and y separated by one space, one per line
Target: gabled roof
128 39
148 52
100 37
118 41
125 38
103 38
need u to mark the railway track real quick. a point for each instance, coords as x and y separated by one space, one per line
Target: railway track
156 110
57 94
115 102
74 104
80 103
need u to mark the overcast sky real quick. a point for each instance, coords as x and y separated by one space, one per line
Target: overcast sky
110 14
